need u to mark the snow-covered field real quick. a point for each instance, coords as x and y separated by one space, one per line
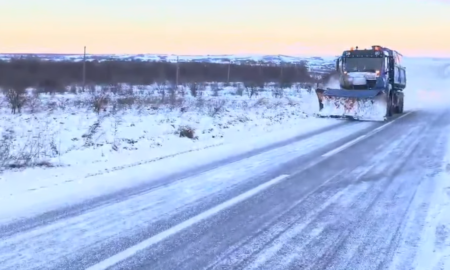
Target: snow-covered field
60 150
65 130
61 139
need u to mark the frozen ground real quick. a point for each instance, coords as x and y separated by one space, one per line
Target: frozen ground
65 141
393 181
64 130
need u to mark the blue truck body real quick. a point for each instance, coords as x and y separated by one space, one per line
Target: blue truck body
368 74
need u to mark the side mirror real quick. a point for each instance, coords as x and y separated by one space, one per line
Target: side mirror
337 64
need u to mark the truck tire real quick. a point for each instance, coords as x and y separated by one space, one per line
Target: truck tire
401 105
398 106
389 104
389 107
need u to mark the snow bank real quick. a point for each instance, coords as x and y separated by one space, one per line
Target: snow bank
74 146
428 83
433 249
59 132
65 131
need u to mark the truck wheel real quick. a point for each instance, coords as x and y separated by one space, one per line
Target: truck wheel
401 105
389 107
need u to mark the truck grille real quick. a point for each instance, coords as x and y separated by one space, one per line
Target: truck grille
370 85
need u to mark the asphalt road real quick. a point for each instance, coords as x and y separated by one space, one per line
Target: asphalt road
341 205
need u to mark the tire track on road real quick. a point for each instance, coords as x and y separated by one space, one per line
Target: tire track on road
197 246
11 228
103 226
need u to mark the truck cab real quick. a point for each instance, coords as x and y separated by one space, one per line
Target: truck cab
371 69
371 85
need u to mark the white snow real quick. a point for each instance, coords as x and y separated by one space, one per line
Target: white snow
131 216
433 250
424 241
137 137
141 143
425 237
92 154
428 84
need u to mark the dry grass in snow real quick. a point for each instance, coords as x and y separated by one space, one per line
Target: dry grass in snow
104 129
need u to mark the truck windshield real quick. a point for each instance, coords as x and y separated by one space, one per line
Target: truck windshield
363 64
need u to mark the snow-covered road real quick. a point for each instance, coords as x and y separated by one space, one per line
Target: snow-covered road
360 195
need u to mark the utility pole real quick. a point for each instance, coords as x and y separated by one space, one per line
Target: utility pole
178 72
84 68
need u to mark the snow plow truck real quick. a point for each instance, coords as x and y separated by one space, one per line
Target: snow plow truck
371 84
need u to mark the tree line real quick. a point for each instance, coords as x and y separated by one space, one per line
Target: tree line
55 76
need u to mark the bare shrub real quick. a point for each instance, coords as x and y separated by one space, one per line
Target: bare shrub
216 107
277 91
161 89
99 102
16 98
215 88
34 104
187 132
251 88
6 142
194 88
34 150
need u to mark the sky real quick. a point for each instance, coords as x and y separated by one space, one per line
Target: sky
290 27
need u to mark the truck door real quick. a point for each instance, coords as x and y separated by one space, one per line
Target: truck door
397 78
403 76
385 71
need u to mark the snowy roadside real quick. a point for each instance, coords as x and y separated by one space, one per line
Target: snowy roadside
423 242
79 145
64 131
434 245
29 197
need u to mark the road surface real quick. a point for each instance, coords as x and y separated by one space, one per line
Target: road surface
352 197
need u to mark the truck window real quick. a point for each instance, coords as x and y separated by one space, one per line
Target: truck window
363 64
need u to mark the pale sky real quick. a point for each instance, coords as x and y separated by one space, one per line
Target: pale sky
292 27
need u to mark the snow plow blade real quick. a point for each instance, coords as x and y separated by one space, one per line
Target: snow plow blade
352 104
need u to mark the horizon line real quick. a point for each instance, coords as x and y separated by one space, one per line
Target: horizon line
236 54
